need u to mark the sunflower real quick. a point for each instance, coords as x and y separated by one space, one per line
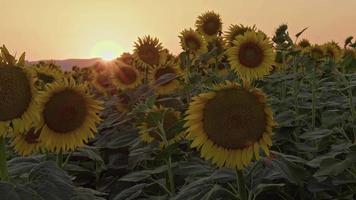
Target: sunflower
230 125
18 109
234 31
164 78
150 132
126 77
332 50
304 43
126 58
315 51
69 115
124 103
148 52
192 42
209 25
47 74
102 82
28 143
252 56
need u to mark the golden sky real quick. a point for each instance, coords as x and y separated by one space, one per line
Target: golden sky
57 29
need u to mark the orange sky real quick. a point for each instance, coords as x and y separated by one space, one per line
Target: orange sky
70 28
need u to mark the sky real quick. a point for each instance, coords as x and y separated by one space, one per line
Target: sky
60 29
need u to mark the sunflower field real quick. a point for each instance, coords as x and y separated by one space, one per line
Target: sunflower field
235 115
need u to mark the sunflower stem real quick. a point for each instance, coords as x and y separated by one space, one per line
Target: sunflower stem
170 175
4 175
60 159
241 184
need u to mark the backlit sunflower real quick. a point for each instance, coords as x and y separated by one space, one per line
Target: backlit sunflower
192 42
27 143
209 25
126 77
164 78
332 50
18 109
126 58
69 115
234 31
102 82
315 51
150 132
148 52
304 43
252 55
230 125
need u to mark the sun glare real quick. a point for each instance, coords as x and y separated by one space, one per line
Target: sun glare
107 50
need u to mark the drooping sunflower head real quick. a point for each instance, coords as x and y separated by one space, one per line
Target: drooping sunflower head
126 77
27 143
69 115
230 125
252 55
236 30
164 78
332 50
148 51
209 25
304 43
169 118
192 42
18 108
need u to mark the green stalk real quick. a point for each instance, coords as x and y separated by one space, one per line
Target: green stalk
60 159
4 175
313 98
241 185
170 175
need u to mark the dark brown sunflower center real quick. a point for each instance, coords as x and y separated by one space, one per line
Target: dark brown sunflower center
126 75
193 43
45 77
103 80
149 54
65 111
250 54
32 136
169 120
212 26
165 75
15 92
234 119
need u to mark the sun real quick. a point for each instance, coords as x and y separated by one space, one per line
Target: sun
107 50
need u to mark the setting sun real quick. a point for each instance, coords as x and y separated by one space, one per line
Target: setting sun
107 50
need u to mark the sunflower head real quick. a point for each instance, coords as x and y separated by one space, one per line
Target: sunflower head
209 24
148 51
124 102
164 78
127 58
230 125
17 92
332 50
126 77
69 115
27 143
315 51
192 42
304 43
236 30
46 75
169 119
102 82
252 56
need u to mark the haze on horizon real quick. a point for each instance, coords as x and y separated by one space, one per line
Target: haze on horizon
70 29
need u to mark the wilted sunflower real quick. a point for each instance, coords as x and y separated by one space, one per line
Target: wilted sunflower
192 42
69 115
150 132
27 143
234 31
148 52
230 125
332 50
209 25
304 43
126 77
252 56
164 78
18 108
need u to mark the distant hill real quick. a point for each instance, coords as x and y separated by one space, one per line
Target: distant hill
67 64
